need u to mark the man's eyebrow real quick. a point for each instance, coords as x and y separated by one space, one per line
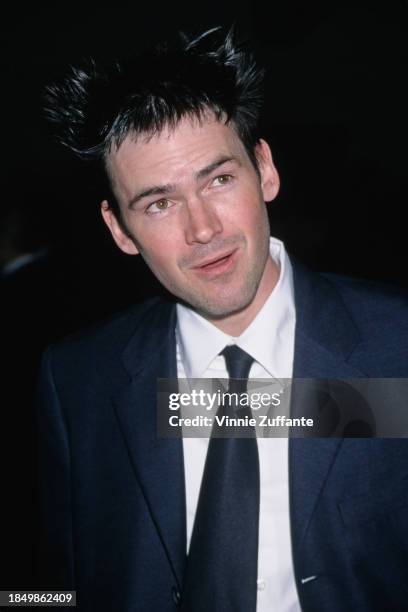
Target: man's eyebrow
157 190
169 187
215 164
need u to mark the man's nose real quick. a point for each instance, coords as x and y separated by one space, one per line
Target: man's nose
202 223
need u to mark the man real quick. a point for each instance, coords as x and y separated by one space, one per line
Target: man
317 525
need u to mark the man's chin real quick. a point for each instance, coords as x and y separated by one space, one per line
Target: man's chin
218 309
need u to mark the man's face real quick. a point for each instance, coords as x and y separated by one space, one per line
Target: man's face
193 206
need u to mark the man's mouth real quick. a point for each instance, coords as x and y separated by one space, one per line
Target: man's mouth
216 264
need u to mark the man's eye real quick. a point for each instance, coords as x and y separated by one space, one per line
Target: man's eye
158 207
223 179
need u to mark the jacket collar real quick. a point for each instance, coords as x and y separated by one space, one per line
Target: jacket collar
326 335
154 336
158 463
325 339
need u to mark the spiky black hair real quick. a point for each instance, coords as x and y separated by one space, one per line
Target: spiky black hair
96 107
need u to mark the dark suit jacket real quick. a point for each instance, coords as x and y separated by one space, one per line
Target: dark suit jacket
113 498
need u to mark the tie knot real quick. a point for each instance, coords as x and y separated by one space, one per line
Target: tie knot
238 362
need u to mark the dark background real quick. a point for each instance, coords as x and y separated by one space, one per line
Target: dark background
335 116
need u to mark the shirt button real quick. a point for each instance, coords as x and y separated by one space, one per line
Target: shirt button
261 584
176 596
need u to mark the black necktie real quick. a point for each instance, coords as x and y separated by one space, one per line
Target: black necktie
221 574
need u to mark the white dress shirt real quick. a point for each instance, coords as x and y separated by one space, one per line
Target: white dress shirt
269 339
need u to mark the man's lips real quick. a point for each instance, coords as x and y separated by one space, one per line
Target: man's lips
214 260
217 264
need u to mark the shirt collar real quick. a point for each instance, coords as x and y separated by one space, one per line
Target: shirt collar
265 339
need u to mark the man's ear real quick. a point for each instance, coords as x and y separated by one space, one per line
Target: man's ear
119 234
270 181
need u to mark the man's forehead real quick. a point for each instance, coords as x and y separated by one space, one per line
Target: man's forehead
191 140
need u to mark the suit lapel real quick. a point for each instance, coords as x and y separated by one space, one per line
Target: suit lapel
324 339
158 463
